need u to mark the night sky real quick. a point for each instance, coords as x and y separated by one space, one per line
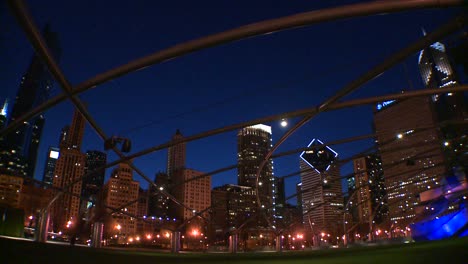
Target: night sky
218 86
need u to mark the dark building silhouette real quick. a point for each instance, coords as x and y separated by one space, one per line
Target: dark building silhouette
22 144
93 183
49 168
158 203
230 207
280 197
176 155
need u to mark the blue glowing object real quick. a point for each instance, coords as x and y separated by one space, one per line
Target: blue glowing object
441 228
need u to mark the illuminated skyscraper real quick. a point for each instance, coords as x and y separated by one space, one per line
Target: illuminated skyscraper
70 167
371 202
437 71
176 155
119 191
49 168
36 84
322 197
253 144
435 67
412 160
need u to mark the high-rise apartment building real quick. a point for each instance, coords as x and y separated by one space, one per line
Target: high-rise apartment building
49 168
412 159
69 168
253 144
322 198
369 185
193 191
21 146
94 180
119 191
176 154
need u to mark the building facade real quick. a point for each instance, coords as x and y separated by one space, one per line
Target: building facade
94 179
120 190
158 203
322 197
370 197
410 147
21 146
253 144
176 154
49 168
69 168
193 191
10 190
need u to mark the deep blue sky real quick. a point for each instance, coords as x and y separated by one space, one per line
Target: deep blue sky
260 76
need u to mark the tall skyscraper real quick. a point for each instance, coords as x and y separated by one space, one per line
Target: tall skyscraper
253 144
69 167
176 155
412 160
49 168
371 200
34 89
435 67
437 71
322 195
119 191
93 183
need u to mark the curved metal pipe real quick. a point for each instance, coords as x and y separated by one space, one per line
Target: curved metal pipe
255 29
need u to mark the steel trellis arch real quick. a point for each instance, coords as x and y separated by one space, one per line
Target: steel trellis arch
250 30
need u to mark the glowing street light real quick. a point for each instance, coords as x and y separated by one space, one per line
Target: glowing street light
118 227
148 236
167 235
400 136
284 123
195 232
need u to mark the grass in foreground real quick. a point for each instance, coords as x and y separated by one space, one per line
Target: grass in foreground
453 251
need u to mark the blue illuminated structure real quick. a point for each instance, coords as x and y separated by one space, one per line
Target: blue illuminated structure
437 223
382 105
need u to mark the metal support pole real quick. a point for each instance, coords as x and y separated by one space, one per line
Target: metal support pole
279 243
96 240
42 227
175 242
233 243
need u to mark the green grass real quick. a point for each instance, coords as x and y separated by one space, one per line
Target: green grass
446 252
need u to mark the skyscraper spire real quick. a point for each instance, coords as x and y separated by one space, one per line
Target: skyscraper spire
423 31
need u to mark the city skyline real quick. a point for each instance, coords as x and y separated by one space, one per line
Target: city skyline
214 133
208 153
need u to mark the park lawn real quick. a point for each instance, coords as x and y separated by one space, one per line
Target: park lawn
454 251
